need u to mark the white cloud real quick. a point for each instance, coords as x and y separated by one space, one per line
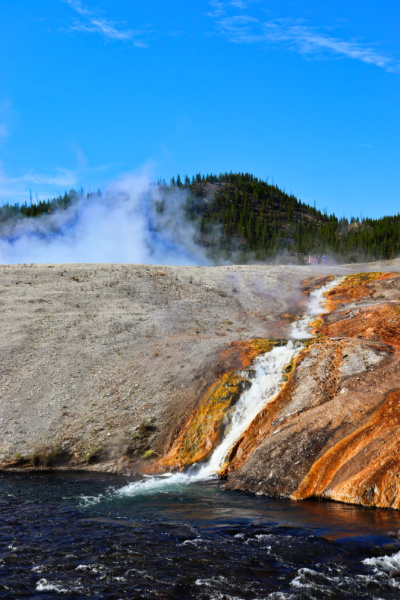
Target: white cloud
4 131
6 118
295 36
242 4
217 9
307 41
45 184
17 189
60 177
94 22
220 7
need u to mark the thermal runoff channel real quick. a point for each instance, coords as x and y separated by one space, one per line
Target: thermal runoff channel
269 377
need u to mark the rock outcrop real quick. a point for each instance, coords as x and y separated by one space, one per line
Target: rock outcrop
333 430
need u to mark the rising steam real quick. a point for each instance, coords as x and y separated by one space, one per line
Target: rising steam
124 225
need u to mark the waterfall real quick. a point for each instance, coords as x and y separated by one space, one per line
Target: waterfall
269 376
266 384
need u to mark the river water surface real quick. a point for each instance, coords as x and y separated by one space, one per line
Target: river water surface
95 536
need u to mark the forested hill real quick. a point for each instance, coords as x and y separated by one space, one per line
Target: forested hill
240 213
240 217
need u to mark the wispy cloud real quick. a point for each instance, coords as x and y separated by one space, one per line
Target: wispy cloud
4 132
59 177
92 21
44 184
6 118
242 4
219 8
295 36
17 189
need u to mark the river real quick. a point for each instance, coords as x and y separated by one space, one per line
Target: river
71 535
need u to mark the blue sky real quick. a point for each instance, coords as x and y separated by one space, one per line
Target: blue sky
304 93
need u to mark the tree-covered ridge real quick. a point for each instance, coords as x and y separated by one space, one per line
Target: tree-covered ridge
260 218
254 216
36 209
238 216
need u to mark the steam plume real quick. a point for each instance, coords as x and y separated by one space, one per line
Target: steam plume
124 225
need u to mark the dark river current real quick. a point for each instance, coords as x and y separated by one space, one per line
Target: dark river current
96 536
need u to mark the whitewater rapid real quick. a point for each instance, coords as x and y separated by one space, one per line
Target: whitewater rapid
269 377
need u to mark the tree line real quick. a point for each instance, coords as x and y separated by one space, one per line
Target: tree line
239 216
241 213
36 209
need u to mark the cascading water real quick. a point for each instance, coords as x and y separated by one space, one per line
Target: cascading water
301 328
266 384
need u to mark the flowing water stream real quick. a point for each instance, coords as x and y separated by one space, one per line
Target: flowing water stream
181 537
269 376
75 536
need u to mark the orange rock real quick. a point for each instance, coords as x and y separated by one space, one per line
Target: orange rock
381 323
332 430
353 288
204 431
363 468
